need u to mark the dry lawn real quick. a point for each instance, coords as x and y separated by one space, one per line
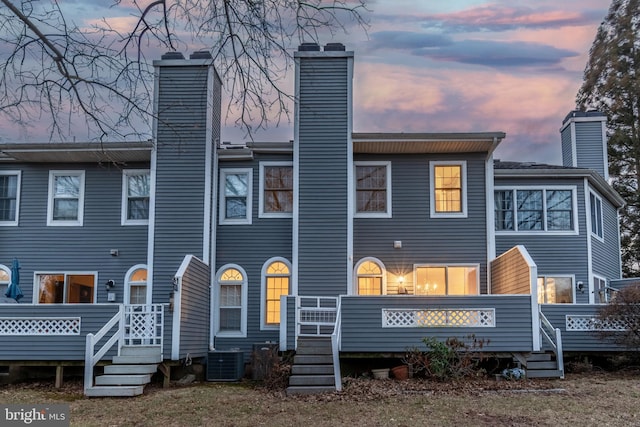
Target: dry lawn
591 399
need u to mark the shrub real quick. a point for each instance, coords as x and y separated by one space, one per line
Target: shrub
453 358
619 320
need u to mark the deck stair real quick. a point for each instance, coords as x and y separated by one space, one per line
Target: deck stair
128 373
312 371
539 364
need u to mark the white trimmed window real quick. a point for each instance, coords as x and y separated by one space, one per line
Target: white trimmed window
601 291
66 198
370 277
595 203
231 302
555 290
235 196
276 189
373 189
9 197
136 285
136 191
448 189
276 282
447 280
63 288
534 210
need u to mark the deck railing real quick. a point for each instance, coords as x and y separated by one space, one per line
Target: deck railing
138 324
553 337
335 348
316 316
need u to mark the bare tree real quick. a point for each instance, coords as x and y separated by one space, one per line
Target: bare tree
54 70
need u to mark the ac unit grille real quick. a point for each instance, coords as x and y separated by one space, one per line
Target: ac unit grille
225 366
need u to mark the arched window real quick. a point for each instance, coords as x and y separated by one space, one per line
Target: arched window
136 285
231 301
369 277
276 281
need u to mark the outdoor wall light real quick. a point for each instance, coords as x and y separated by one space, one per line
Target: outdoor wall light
109 285
580 287
114 252
397 244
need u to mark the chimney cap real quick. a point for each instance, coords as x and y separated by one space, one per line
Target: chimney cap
172 55
334 47
309 47
201 54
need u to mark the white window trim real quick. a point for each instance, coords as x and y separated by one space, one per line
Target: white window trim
222 204
463 183
80 220
126 293
354 285
447 266
19 186
261 212
594 292
387 213
126 173
543 188
216 313
600 211
36 284
573 286
263 291
3 284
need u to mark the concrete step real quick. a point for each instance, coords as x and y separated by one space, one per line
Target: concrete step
137 360
123 379
311 380
114 391
312 369
140 350
309 359
544 373
300 390
541 365
130 369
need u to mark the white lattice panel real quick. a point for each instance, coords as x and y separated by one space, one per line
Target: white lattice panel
40 326
450 318
591 323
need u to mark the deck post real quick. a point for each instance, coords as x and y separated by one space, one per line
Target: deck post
59 375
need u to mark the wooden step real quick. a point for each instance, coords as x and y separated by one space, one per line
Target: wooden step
140 350
538 357
544 373
311 380
301 390
312 369
137 360
114 391
310 359
123 379
130 369
541 365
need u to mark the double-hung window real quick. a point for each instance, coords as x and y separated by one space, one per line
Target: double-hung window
535 210
448 189
596 215
136 190
235 196
373 189
9 197
276 282
276 189
231 302
66 198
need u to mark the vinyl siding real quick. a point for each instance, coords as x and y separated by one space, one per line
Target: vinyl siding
194 312
566 146
324 126
425 240
605 254
250 246
362 329
59 249
67 347
589 148
553 254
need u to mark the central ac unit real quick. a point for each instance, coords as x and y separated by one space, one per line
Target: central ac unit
225 366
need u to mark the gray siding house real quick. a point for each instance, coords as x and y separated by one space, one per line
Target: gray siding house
196 247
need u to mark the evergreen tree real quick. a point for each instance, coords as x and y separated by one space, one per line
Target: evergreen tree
612 85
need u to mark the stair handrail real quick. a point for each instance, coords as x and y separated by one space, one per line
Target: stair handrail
335 346
91 359
553 336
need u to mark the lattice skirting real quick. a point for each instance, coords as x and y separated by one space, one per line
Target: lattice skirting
39 326
591 323
430 318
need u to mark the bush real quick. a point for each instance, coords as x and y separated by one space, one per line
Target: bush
453 358
619 321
